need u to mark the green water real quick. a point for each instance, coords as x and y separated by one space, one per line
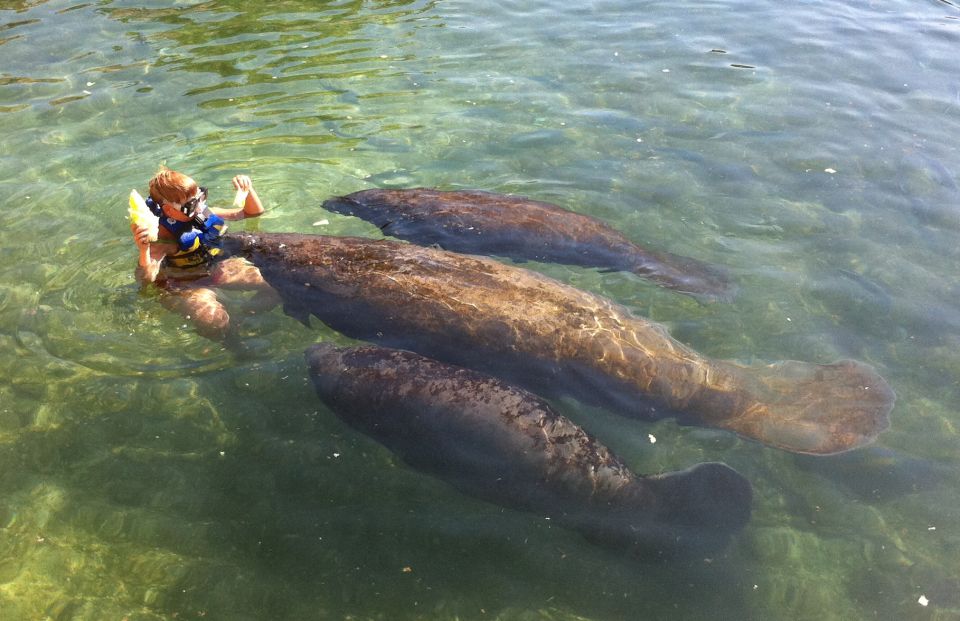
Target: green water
148 473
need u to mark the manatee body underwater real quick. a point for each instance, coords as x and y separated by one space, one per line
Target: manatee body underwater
533 331
476 222
497 442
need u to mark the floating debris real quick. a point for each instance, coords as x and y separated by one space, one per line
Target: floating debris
923 601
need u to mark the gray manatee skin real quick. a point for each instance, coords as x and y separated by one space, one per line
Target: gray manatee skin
496 442
477 222
533 331
876 474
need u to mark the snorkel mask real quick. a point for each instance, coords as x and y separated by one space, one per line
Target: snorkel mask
195 205
191 208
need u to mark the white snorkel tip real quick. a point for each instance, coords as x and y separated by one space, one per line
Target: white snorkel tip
240 199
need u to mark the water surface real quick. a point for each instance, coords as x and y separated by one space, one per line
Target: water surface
811 149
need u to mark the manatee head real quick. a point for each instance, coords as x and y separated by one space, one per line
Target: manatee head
380 207
325 361
342 205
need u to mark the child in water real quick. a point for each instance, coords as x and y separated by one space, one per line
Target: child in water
185 260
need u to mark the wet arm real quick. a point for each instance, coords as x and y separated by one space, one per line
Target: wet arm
151 253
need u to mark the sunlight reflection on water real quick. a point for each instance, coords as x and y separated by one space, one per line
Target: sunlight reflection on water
811 150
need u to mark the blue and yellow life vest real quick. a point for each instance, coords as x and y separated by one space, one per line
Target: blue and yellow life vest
198 240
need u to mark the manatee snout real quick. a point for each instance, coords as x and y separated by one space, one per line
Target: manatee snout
341 205
325 361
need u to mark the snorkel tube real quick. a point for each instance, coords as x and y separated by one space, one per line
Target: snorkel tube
240 199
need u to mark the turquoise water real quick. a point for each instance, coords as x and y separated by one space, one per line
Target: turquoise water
811 149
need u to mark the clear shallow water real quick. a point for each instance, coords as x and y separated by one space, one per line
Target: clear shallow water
148 473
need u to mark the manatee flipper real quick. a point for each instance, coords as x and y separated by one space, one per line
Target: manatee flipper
297 311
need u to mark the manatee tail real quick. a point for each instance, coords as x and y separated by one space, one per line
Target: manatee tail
678 514
704 282
711 499
802 407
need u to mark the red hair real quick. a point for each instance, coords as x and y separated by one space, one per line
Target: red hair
169 186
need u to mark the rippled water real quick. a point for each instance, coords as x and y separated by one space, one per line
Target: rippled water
148 473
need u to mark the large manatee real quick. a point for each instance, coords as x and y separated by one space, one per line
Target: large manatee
533 331
477 222
505 445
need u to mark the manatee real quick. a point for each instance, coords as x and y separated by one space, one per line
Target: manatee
505 445
533 331
878 474
477 222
